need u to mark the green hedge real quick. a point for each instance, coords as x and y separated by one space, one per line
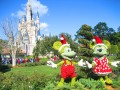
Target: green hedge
23 82
42 61
4 68
41 81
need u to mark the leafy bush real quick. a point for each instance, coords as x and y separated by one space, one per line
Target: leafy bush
116 81
49 86
116 84
83 72
78 86
1 79
39 81
4 68
23 82
29 64
92 84
65 87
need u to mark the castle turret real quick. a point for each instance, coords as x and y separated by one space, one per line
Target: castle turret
38 21
23 19
29 12
29 28
37 24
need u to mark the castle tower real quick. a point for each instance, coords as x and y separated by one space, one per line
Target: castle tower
37 23
29 12
31 27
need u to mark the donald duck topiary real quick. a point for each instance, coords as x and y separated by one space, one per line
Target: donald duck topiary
67 68
100 65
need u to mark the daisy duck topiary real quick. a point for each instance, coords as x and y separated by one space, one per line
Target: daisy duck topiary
67 68
100 65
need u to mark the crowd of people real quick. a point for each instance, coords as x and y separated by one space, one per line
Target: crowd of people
21 60
6 61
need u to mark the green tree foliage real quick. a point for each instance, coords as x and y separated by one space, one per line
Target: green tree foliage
115 38
36 50
119 50
118 46
109 34
118 30
114 49
44 46
84 36
3 44
0 60
101 30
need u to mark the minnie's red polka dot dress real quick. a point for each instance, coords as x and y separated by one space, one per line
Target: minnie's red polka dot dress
101 67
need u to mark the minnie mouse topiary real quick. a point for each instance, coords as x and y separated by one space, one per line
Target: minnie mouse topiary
100 65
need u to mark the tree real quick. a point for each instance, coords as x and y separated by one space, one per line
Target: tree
36 50
119 50
101 30
84 36
3 44
115 38
0 60
44 46
10 30
118 30
114 49
109 34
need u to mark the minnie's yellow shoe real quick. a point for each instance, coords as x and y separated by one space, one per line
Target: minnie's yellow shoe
108 80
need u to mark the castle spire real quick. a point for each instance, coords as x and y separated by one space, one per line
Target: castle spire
29 11
38 21
37 13
29 2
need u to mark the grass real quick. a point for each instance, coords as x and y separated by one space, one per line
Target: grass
44 69
32 71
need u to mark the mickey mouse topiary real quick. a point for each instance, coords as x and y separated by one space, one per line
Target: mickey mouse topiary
68 68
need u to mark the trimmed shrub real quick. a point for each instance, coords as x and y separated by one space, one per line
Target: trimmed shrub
4 68
30 64
23 82
92 84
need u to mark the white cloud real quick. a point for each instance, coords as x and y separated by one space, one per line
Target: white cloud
43 25
20 13
36 6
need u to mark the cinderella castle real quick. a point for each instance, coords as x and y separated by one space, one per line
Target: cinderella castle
29 30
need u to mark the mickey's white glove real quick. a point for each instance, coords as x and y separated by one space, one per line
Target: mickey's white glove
115 63
51 64
81 63
88 64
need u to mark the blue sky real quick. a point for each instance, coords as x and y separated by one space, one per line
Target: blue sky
67 15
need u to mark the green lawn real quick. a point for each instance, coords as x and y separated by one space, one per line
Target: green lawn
16 78
44 69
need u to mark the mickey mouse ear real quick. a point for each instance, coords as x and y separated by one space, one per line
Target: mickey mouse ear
57 45
107 43
92 44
